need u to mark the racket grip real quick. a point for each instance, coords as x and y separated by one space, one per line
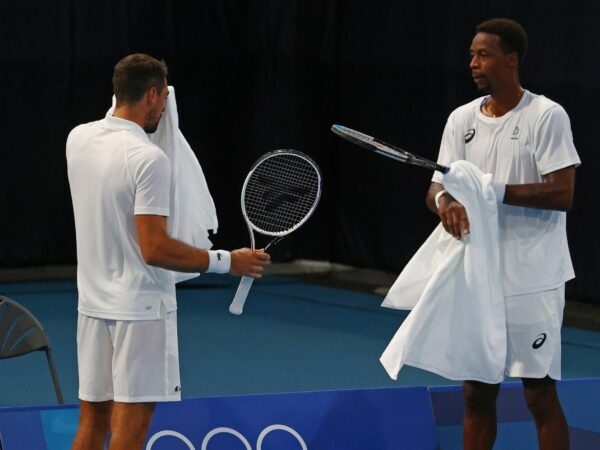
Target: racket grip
237 305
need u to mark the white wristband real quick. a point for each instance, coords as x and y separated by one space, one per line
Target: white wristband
437 197
219 261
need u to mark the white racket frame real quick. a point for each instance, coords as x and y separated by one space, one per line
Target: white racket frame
239 300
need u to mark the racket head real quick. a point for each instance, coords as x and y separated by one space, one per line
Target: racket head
281 192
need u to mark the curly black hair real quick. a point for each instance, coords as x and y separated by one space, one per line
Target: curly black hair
513 37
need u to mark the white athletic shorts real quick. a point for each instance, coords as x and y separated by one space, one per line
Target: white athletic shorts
129 361
533 326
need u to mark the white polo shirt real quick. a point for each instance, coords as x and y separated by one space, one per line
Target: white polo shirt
115 172
522 146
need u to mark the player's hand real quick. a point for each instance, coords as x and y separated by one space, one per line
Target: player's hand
248 263
454 216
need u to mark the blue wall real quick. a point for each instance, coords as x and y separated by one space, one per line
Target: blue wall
413 418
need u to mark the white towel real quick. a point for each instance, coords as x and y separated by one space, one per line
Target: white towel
457 326
192 210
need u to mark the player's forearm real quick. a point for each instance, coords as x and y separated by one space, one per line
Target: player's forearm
555 193
172 254
434 188
539 196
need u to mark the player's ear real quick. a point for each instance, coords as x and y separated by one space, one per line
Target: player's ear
151 95
512 59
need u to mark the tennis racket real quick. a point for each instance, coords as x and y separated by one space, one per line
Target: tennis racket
280 193
385 149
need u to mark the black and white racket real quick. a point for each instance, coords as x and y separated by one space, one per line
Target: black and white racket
385 149
280 193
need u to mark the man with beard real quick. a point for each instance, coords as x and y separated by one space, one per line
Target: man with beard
127 326
524 140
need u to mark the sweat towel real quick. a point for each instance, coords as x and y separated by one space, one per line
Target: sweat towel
192 211
457 326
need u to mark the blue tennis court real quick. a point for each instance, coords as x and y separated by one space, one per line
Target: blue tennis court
294 336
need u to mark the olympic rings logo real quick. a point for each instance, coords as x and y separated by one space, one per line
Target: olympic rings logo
259 441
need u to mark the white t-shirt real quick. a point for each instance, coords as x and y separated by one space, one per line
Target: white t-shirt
530 141
115 172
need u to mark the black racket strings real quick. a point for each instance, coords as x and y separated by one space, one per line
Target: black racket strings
280 193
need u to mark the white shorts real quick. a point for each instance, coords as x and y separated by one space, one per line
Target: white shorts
129 361
533 326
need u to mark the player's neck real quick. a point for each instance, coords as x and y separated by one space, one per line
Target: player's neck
133 114
503 100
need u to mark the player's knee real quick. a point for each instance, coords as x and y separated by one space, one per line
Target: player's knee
130 440
541 397
480 397
95 415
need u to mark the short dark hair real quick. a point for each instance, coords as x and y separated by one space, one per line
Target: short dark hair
135 74
513 37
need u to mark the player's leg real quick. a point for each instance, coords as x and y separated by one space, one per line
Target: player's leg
479 423
94 422
145 371
129 425
542 400
534 354
94 356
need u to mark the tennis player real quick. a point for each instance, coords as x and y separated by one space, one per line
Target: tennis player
525 141
127 328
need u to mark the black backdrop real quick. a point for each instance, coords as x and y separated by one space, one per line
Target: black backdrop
253 76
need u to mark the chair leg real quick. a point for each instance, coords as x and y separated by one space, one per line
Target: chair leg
54 375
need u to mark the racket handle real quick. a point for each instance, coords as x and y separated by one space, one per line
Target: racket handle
237 305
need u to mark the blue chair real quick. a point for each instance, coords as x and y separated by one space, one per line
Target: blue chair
22 333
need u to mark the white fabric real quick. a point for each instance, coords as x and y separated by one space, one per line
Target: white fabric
128 361
116 172
457 324
530 141
533 324
192 210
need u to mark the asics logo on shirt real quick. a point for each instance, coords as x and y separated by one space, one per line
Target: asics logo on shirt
539 341
469 135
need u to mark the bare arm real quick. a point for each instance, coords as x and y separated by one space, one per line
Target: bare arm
556 192
159 249
434 188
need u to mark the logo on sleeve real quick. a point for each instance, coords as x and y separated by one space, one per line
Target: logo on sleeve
469 135
539 341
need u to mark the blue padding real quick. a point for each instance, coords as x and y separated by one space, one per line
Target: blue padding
350 420
580 400
21 428
382 419
60 426
516 429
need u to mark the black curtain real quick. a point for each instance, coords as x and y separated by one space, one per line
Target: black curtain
251 77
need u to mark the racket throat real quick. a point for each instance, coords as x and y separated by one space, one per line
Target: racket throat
252 241
270 244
